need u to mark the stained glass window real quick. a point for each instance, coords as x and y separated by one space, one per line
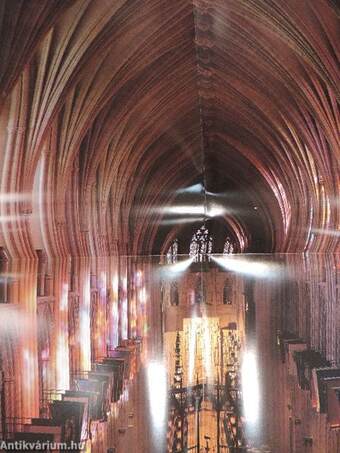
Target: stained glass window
171 256
201 245
228 248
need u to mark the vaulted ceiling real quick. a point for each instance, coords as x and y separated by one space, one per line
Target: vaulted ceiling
113 109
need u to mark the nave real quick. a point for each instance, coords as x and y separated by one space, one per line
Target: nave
169 226
223 353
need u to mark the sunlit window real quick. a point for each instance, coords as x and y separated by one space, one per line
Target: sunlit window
228 248
201 245
171 256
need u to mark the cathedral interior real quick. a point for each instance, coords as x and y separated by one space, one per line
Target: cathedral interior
169 226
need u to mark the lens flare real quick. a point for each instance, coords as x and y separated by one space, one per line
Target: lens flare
250 387
157 391
172 270
246 266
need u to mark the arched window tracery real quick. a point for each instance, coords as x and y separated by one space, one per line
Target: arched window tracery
174 296
228 248
172 253
200 292
201 245
227 293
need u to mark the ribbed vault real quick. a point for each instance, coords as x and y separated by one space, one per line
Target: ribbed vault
110 108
